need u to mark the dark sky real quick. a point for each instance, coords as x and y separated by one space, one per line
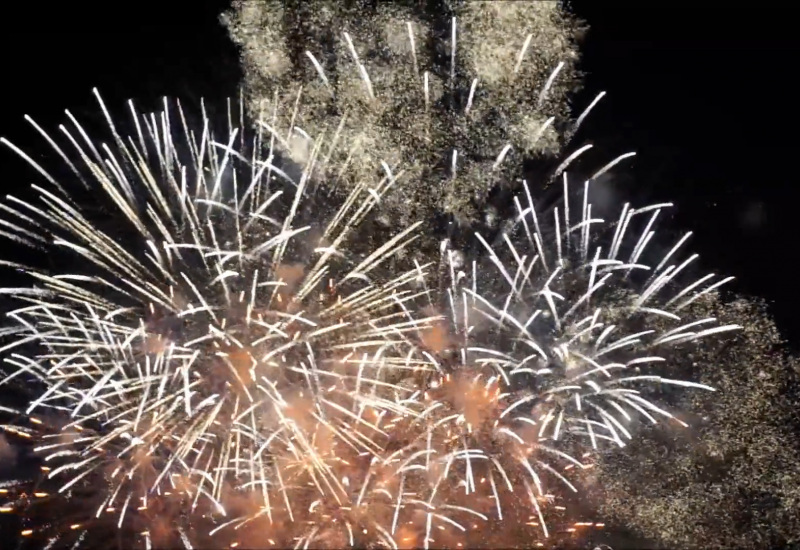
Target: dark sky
702 94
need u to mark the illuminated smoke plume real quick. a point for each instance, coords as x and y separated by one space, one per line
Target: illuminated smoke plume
486 79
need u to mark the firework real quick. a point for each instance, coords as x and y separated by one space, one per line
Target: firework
728 482
558 339
568 311
413 87
207 351
237 349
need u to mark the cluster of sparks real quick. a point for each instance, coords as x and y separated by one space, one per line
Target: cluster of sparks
575 318
240 373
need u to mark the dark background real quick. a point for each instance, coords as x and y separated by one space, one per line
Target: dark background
703 94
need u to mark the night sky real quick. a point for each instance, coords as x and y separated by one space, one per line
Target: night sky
704 96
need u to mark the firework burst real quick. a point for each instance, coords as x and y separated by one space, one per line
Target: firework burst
180 397
243 356
224 342
569 313
488 80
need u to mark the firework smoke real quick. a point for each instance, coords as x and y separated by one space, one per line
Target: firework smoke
480 84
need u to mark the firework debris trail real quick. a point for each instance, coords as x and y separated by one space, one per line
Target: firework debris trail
239 373
575 316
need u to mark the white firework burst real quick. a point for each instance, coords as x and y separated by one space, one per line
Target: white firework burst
567 310
237 321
